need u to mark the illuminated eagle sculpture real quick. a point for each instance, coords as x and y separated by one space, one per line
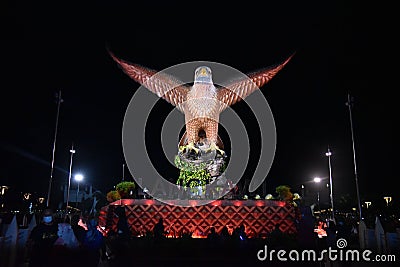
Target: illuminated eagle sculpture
201 102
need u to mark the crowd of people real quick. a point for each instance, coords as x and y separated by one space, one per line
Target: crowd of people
71 241
77 240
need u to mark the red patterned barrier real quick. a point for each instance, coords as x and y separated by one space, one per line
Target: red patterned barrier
258 216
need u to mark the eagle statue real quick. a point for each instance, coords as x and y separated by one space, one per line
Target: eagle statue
203 101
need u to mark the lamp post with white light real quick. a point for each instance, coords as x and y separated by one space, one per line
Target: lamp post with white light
78 178
72 151
317 180
328 154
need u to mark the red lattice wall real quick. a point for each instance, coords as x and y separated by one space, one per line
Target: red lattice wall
258 216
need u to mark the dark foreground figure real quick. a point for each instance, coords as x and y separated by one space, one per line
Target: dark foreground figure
217 251
193 252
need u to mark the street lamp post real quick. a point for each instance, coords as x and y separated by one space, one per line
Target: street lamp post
72 151
349 103
123 172
78 179
317 180
59 101
328 154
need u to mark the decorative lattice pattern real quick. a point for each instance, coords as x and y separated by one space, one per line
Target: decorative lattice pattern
258 216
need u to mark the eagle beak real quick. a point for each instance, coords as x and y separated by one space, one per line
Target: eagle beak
203 72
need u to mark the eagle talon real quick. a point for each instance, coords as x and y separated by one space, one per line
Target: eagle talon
189 147
213 146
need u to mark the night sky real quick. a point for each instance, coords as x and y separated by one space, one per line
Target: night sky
51 47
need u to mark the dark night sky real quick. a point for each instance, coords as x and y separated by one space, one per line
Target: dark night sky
49 47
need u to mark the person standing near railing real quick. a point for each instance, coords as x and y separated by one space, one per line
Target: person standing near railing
41 240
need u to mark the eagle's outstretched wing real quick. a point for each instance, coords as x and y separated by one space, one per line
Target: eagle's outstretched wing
237 90
161 84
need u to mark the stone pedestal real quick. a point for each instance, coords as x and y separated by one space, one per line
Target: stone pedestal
201 169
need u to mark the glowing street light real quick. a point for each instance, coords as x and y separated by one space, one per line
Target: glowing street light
78 178
317 179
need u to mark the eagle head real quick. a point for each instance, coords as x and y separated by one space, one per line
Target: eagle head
203 75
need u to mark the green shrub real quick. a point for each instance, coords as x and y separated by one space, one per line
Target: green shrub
113 196
125 188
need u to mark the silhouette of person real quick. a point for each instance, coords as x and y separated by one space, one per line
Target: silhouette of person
41 240
159 228
331 234
241 234
276 235
78 229
93 244
122 224
305 234
225 233
213 234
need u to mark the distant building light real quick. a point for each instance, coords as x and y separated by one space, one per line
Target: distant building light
388 200
3 189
